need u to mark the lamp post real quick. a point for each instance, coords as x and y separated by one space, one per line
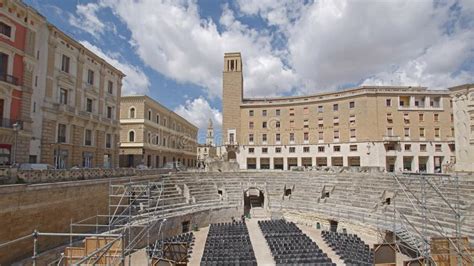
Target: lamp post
16 128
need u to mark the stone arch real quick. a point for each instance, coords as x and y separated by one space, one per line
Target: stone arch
231 155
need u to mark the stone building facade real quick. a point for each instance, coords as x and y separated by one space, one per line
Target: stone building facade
153 135
463 110
79 107
390 127
20 26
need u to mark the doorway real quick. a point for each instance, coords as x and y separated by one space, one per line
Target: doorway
253 198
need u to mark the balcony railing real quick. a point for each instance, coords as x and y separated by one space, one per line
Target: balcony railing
10 123
391 138
9 79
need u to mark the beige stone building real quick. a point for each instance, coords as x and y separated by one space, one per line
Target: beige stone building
78 109
394 128
463 110
153 135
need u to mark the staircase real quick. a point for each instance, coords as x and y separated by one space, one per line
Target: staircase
410 241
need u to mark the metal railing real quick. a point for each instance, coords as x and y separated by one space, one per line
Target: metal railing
11 123
9 79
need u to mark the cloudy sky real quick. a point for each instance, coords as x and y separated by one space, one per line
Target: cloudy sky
173 50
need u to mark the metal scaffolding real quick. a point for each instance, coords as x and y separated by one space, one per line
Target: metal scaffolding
132 213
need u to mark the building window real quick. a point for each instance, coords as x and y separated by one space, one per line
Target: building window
320 109
292 123
89 104
337 148
388 102
353 133
407 132
278 150
250 112
251 150
306 136
423 147
149 115
158 119
320 148
110 87
422 132
250 137
65 62
264 150
5 29
277 112
90 77
336 121
264 124
320 122
251 125
335 107
264 112
421 117
3 64
437 132
336 134
88 137
389 118
292 112
436 117
406 118
292 149
62 133
108 141
438 147
132 113
407 147
277 124
131 136
292 137
306 123
389 131
352 120
305 110
320 135
109 112
264 137
353 147
277 137
63 96
306 149
351 105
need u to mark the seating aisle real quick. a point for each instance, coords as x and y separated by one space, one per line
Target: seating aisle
315 235
260 247
199 243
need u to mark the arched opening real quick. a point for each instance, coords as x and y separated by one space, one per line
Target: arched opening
231 155
132 112
131 136
253 199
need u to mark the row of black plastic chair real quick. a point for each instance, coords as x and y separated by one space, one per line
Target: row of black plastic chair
228 244
290 246
351 249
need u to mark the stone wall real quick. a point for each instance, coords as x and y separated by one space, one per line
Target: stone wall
48 208
59 175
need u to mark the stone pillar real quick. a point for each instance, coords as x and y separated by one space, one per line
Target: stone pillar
328 160
257 161
298 161
285 163
415 165
313 161
272 163
345 161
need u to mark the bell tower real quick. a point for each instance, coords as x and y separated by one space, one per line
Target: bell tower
232 95
210 134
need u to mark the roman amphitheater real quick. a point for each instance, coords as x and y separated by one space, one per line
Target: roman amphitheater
330 216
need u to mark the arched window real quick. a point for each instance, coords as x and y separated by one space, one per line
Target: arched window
157 140
131 136
132 112
149 115
158 119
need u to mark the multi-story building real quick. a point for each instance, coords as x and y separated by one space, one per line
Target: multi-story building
20 27
463 110
153 135
78 108
207 150
394 128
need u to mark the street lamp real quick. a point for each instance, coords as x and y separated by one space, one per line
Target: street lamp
16 128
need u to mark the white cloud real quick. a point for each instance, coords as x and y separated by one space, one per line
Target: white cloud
135 81
87 20
198 111
340 42
172 38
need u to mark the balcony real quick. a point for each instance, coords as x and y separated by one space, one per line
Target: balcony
10 123
391 138
9 79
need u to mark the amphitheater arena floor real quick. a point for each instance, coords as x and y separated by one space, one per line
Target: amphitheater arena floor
261 249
